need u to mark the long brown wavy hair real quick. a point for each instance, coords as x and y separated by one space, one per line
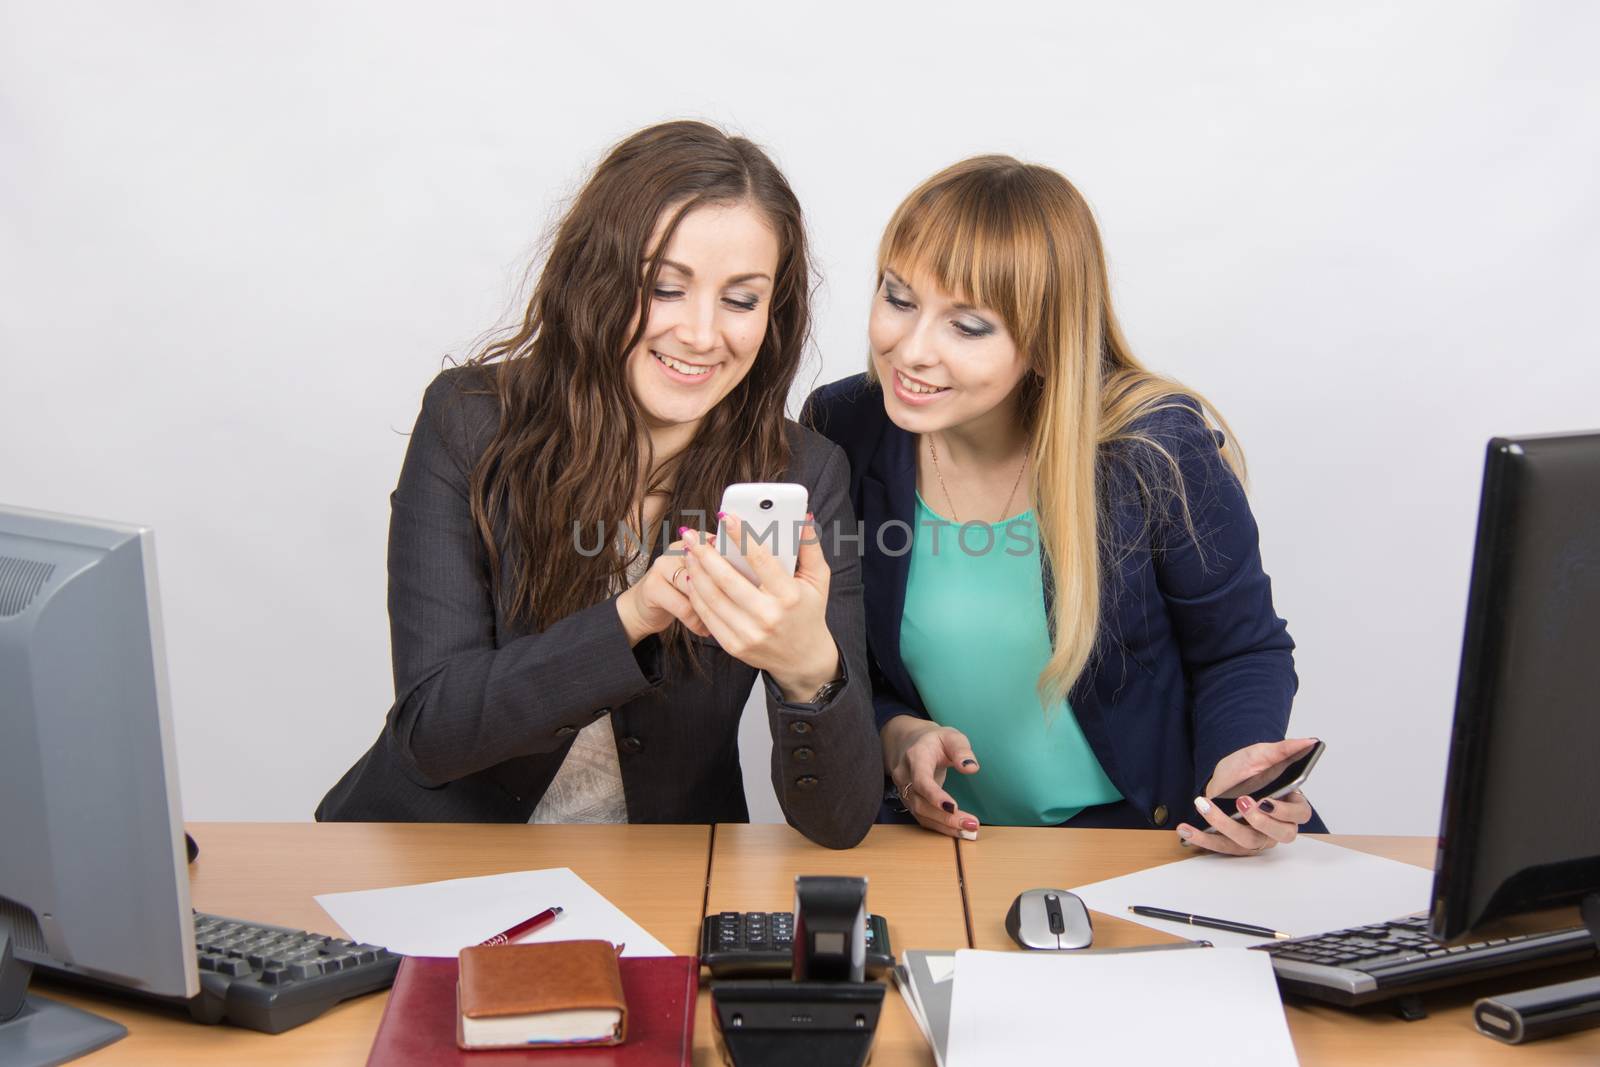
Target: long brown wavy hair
571 460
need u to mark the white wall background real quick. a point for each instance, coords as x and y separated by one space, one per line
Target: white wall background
237 240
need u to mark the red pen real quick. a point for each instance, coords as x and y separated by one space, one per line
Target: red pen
526 926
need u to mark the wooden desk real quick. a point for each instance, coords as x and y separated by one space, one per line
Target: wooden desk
270 872
668 877
1006 860
912 883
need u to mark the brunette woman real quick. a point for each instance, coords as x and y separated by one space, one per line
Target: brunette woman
558 656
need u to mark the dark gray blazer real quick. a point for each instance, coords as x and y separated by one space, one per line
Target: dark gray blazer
485 711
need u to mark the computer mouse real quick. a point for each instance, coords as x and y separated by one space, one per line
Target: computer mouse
1049 918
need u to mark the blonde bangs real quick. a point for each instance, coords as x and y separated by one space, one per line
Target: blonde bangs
974 245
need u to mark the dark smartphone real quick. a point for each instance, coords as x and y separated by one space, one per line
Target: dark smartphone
1277 781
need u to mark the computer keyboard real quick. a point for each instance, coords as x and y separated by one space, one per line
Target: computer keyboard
1397 959
273 978
268 978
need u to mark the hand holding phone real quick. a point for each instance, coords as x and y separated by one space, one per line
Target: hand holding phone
778 625
774 516
1279 780
1266 778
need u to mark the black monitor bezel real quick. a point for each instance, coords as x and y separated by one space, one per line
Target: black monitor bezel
1505 478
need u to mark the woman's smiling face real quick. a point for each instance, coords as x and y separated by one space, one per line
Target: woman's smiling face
943 362
707 314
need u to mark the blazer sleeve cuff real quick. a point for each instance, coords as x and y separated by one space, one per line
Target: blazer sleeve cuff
775 693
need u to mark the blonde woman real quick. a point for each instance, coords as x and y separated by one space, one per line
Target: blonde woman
1064 594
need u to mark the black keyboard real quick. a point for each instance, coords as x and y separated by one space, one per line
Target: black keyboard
760 944
269 978
1397 959
273 978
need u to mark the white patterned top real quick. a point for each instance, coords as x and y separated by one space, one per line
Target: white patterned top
588 785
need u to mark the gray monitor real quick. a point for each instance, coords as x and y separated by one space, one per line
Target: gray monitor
93 873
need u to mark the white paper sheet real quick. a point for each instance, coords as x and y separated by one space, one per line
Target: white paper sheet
442 918
1309 887
1132 1010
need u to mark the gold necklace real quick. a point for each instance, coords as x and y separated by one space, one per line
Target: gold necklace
933 451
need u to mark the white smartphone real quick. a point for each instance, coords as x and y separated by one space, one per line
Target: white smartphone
774 515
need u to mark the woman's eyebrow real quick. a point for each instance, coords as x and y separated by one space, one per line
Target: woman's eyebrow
956 306
735 280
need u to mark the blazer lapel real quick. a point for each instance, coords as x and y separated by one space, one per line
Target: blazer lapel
888 509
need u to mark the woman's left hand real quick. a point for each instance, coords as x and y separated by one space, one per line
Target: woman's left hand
1266 823
780 626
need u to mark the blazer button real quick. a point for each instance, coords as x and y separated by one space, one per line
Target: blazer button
632 744
1159 816
803 754
806 781
799 726
566 731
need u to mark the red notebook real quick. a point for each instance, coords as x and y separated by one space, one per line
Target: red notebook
419 1022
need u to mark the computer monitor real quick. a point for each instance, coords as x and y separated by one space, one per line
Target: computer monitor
1520 829
93 871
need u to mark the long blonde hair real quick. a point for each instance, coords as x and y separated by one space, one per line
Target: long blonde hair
1019 239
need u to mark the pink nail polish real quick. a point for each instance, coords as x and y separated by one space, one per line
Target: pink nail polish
969 824
682 531
1245 803
722 514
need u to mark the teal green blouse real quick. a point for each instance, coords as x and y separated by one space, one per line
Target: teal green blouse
975 639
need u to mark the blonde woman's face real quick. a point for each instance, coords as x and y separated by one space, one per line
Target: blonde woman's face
942 362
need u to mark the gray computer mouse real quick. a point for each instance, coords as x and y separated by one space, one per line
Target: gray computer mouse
1049 918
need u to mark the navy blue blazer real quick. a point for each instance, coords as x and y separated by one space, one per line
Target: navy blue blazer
1192 663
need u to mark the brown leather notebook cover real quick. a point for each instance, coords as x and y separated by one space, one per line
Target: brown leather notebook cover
419 1021
530 987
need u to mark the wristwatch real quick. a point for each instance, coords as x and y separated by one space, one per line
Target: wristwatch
828 691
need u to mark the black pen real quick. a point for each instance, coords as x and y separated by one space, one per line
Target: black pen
1201 920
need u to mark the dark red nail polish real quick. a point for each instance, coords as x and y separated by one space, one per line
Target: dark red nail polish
1266 806
969 763
948 807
